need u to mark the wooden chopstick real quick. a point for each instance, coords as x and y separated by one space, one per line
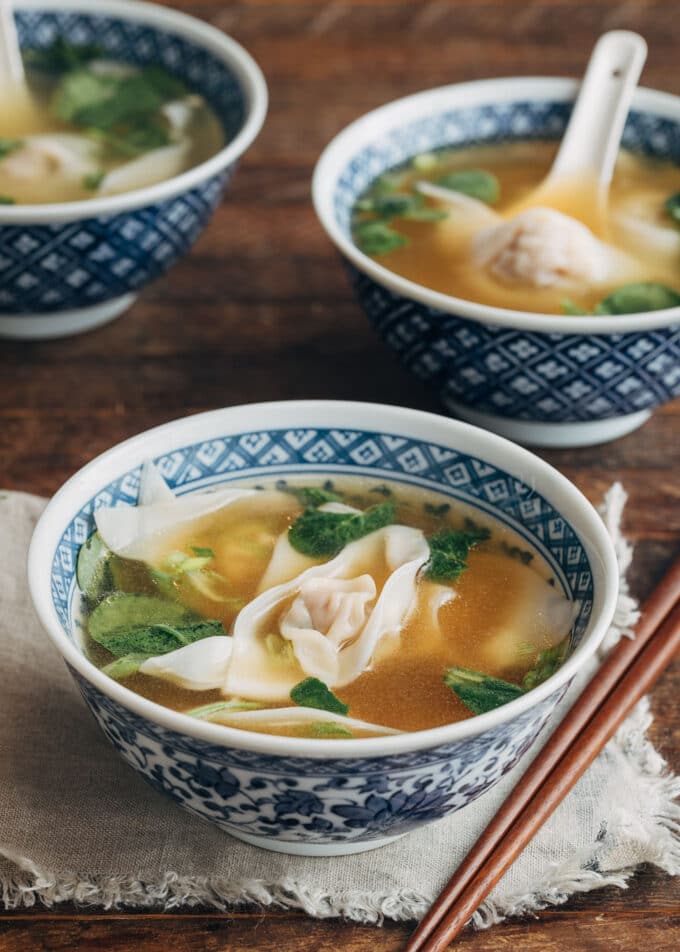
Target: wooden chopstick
628 671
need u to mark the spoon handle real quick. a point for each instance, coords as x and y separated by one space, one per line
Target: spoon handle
591 142
11 63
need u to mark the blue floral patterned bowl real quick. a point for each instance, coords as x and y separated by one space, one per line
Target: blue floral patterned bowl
544 379
326 797
66 268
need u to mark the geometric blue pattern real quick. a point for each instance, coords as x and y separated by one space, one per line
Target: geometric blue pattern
512 373
51 268
333 800
523 375
264 453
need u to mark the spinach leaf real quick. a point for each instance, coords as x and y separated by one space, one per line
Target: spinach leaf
145 624
126 666
473 182
438 511
672 206
572 308
377 238
449 550
408 205
644 296
546 665
93 180
314 693
319 534
525 556
7 200
480 692
79 91
7 146
208 711
311 496
61 56
202 551
92 568
329 729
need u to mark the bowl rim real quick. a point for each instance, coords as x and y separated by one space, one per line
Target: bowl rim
415 424
399 112
223 47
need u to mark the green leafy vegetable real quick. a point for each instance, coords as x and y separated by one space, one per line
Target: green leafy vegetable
408 205
93 180
61 56
480 692
546 665
314 693
425 162
202 551
92 568
311 496
208 711
329 729
473 182
7 200
572 308
672 206
377 238
318 534
7 146
634 298
125 624
121 112
449 550
437 511
515 552
126 666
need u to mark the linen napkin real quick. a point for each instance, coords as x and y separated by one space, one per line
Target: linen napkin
77 824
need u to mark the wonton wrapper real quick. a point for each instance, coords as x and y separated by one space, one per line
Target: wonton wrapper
292 609
200 666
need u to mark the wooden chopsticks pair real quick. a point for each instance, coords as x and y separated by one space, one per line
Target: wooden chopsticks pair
630 669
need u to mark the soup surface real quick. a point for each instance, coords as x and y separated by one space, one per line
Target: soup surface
87 127
331 610
572 257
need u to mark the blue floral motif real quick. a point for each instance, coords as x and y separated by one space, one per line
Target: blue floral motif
335 800
297 801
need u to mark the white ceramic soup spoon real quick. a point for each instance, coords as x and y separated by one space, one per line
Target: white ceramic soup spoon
549 237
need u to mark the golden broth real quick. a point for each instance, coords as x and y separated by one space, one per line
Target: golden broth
42 179
438 257
403 687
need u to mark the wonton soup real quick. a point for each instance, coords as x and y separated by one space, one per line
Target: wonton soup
333 610
89 127
476 241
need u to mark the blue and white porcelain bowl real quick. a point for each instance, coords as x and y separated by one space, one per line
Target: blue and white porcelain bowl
70 267
544 379
308 796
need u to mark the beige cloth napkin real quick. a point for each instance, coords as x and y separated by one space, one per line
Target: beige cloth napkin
76 823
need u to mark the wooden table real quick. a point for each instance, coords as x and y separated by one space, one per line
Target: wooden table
261 310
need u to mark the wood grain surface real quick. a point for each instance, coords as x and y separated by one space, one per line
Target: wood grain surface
261 310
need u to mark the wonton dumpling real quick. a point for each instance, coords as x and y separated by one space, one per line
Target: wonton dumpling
200 666
543 248
293 609
45 164
538 615
149 169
